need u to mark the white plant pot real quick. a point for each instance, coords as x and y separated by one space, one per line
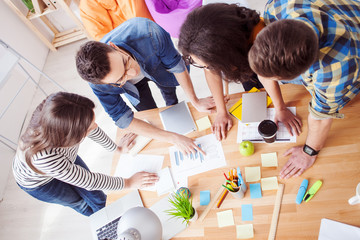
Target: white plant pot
195 217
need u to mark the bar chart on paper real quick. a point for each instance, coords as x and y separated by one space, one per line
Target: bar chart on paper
188 165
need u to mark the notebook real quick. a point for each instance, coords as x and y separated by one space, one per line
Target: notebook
253 107
178 119
105 221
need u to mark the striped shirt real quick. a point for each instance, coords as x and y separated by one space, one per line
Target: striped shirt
58 163
334 79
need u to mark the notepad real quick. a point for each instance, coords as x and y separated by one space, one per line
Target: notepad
225 218
203 123
247 212
269 183
253 107
255 190
244 231
178 119
204 198
269 160
252 174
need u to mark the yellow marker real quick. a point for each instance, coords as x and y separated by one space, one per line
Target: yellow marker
314 188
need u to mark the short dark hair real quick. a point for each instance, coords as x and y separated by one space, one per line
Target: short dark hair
218 34
92 61
284 49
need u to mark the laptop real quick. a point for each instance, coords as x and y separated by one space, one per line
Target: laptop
105 221
178 119
253 107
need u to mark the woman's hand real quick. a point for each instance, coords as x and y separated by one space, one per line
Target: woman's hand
205 105
126 143
291 122
141 180
222 125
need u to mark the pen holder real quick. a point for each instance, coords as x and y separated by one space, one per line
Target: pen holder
240 193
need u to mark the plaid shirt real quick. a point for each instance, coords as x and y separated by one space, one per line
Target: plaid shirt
333 80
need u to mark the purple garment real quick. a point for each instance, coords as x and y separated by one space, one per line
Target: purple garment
170 14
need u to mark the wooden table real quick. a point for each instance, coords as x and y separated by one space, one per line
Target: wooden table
338 166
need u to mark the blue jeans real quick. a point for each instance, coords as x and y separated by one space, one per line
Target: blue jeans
58 192
146 99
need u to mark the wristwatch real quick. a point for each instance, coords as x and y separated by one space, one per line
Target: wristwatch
310 151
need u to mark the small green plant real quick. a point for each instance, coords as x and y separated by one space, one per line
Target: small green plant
181 207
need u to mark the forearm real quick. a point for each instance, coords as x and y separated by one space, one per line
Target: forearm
273 89
318 131
184 80
143 128
215 84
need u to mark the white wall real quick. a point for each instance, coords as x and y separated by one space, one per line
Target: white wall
15 33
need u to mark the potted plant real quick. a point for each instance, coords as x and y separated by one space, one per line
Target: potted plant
182 207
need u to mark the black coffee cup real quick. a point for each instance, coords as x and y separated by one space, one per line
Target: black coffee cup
267 129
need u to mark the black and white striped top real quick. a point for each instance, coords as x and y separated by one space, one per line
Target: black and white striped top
58 163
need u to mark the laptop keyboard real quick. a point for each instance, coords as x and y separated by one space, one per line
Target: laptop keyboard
108 231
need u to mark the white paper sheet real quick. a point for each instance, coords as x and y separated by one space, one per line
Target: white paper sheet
129 165
332 230
183 165
249 132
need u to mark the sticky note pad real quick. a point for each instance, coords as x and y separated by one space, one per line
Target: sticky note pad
246 212
204 197
225 218
269 183
203 123
269 160
252 174
255 190
244 231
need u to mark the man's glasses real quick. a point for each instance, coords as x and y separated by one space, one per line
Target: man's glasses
188 60
121 81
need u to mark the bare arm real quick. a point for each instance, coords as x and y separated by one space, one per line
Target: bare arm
202 105
291 122
223 121
184 144
300 161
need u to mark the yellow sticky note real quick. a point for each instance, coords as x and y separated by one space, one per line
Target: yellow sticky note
252 174
203 123
225 218
244 231
269 183
269 160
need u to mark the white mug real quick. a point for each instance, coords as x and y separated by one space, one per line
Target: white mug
355 199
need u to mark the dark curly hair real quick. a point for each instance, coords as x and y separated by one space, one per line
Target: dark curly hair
92 61
218 34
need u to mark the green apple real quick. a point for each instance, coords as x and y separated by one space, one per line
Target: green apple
246 148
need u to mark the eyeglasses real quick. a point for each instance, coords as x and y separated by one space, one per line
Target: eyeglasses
121 81
188 60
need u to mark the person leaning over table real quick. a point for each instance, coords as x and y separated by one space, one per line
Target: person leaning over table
217 37
317 42
139 51
47 166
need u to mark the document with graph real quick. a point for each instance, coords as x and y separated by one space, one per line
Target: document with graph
249 132
188 165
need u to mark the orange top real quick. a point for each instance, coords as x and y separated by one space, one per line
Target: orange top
101 16
256 30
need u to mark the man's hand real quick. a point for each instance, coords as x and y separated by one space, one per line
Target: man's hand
126 143
186 145
291 122
222 125
297 164
141 180
205 105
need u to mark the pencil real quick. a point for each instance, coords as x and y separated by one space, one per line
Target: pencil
223 196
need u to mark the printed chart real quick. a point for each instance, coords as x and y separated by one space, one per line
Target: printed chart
249 132
188 165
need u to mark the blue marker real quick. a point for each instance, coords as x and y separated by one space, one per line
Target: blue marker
302 191
241 180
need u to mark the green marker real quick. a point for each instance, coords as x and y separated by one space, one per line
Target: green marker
314 188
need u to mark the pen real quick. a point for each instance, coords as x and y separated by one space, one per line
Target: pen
314 188
227 187
226 176
223 196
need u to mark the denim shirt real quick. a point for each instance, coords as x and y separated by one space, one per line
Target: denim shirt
154 51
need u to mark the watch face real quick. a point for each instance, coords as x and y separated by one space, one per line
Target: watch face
308 150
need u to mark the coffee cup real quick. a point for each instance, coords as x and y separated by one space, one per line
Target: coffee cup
355 199
267 129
